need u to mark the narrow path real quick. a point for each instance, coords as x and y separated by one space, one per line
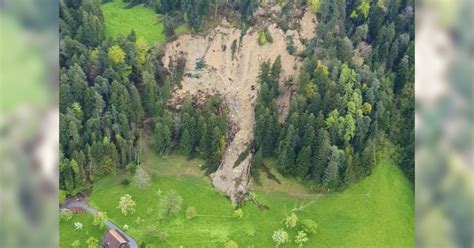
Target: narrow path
72 202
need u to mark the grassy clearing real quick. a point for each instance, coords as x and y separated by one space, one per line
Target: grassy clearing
120 20
68 234
378 211
281 184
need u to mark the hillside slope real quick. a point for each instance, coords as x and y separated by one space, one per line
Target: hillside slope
232 64
376 212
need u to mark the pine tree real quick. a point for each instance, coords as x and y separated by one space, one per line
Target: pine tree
303 161
150 93
161 138
321 155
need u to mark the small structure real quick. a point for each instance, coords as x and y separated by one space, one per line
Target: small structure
113 239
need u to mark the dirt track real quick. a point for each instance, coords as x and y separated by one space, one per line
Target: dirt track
234 79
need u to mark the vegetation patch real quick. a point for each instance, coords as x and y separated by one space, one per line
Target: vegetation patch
121 20
78 229
378 211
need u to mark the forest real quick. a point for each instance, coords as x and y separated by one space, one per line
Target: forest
354 95
326 142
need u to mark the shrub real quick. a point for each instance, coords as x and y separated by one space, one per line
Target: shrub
233 47
65 214
231 244
268 36
191 213
261 38
301 238
238 213
280 237
92 242
142 179
309 226
125 182
200 63
76 243
78 225
126 204
62 196
99 219
131 167
171 203
291 220
291 46
162 235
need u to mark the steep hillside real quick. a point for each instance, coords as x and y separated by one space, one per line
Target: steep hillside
232 64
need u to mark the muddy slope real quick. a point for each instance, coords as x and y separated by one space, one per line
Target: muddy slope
235 79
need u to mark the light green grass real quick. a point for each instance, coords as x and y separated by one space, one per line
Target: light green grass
182 29
376 212
69 234
120 20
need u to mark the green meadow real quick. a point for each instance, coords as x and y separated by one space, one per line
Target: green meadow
376 212
68 233
121 20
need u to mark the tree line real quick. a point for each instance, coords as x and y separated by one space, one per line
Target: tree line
355 96
355 93
114 94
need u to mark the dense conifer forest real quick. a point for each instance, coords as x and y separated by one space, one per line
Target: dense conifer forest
354 95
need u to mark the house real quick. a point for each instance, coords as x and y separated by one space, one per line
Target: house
113 239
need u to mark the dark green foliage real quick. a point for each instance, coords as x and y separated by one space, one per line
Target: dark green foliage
343 111
125 182
103 104
355 91
203 131
161 138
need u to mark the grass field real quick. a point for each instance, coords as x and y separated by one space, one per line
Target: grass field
119 19
68 234
376 212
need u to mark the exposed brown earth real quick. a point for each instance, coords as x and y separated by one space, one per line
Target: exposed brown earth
235 78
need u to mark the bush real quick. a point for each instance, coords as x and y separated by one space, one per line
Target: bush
142 179
301 238
62 196
233 47
126 204
291 46
268 36
309 226
171 203
200 63
76 243
261 38
125 182
280 237
191 213
92 242
99 219
238 213
291 220
162 235
65 214
131 167
231 244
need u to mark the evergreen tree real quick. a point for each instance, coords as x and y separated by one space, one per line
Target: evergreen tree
161 138
303 161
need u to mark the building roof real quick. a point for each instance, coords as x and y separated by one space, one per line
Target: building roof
113 239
